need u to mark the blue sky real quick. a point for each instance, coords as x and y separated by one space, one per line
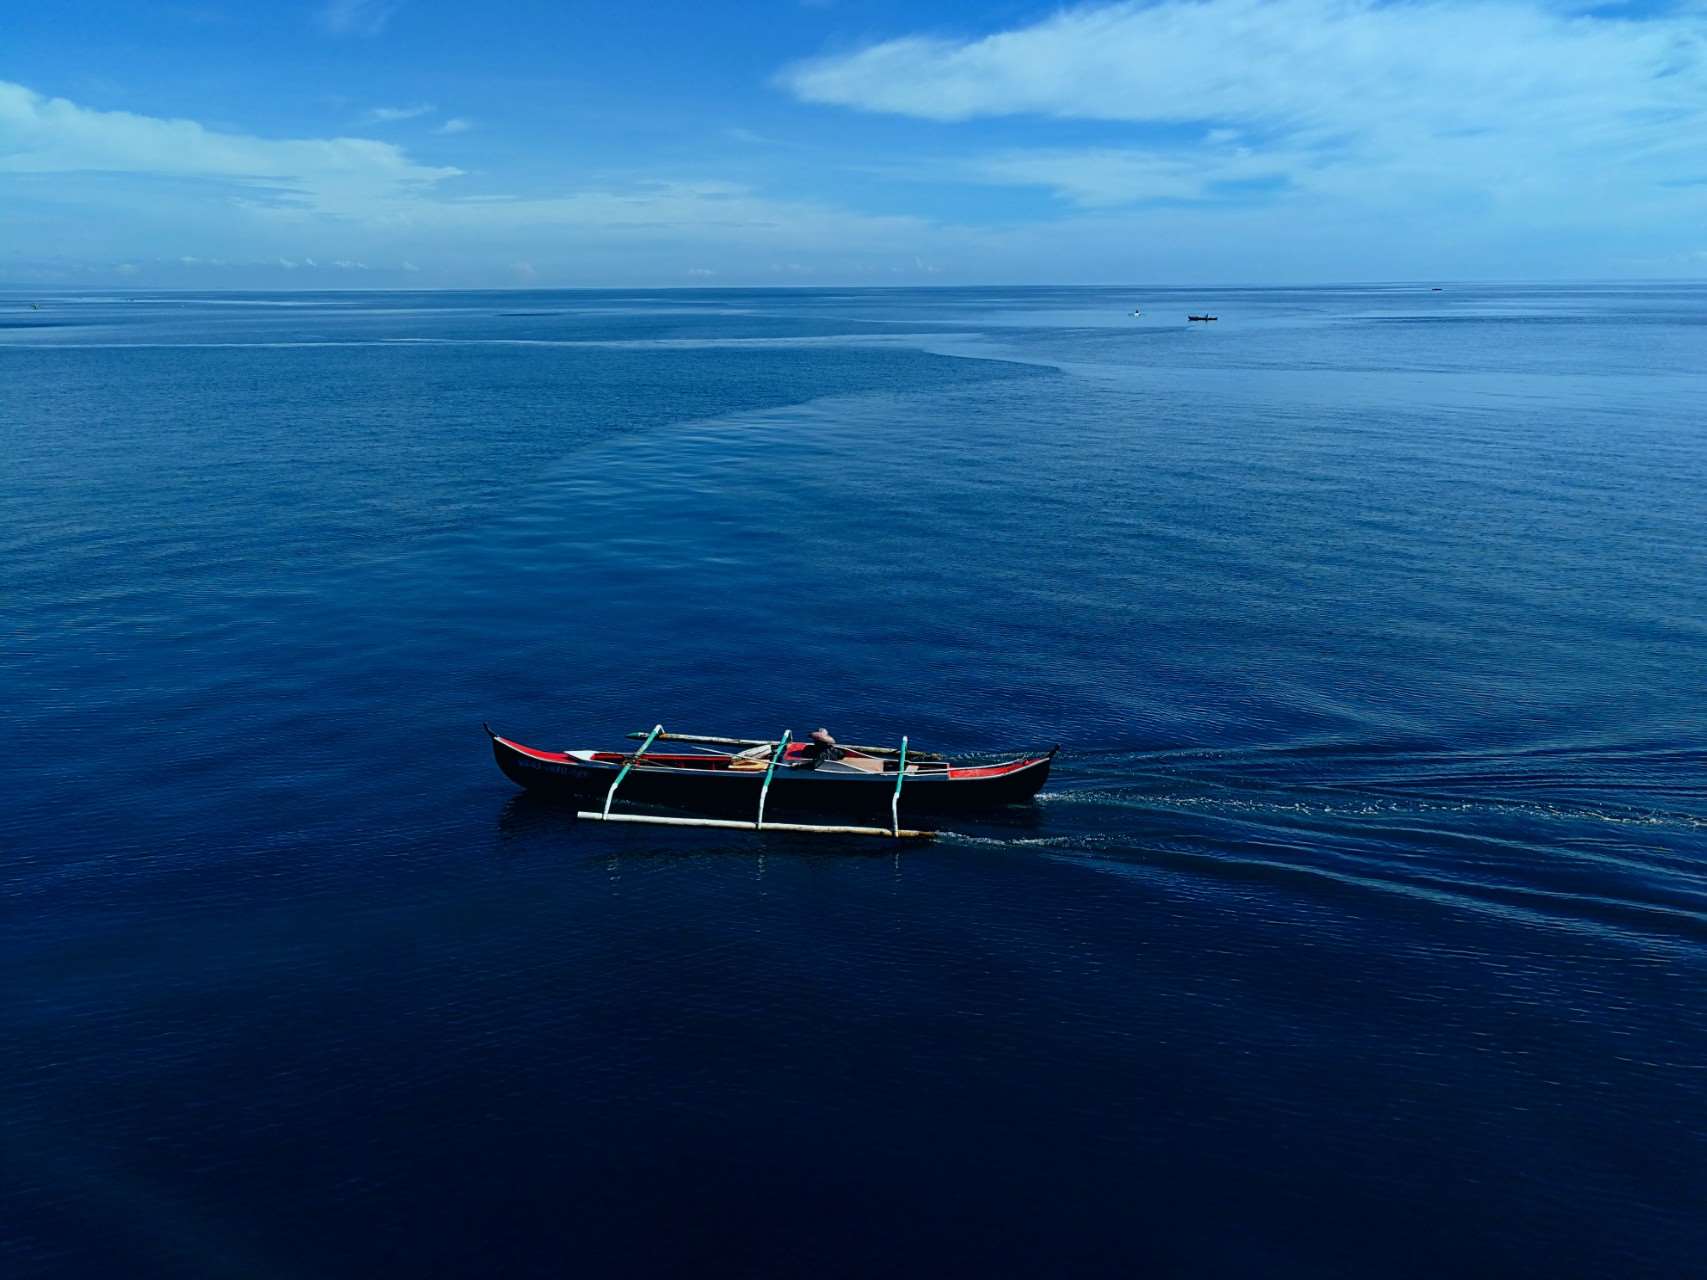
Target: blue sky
436 143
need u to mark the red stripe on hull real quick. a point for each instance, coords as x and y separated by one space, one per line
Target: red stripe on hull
720 789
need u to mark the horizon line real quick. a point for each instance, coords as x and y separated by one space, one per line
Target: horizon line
1425 282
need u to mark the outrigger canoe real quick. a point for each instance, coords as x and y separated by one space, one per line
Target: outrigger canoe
746 782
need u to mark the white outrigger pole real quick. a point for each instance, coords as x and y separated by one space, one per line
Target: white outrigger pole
894 830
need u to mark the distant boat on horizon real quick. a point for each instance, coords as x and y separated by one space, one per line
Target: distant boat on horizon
1202 318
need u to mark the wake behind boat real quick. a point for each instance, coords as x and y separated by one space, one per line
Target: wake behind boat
754 778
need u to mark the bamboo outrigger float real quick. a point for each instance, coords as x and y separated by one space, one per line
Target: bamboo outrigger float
753 774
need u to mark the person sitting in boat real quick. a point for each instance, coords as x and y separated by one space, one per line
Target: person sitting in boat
821 747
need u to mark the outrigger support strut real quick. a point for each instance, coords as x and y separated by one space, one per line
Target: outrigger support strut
895 802
623 773
893 831
759 822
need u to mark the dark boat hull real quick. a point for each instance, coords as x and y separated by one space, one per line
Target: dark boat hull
793 792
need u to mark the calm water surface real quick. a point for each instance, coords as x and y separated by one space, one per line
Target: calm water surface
1360 931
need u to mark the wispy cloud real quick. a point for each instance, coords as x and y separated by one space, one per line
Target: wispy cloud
1104 177
341 176
644 212
390 115
362 197
1510 96
456 124
358 17
288 264
1319 63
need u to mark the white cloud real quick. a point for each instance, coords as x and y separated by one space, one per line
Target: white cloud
339 176
1105 177
358 17
456 124
369 193
388 115
1318 63
150 190
1508 96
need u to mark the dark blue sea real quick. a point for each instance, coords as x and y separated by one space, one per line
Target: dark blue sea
1361 930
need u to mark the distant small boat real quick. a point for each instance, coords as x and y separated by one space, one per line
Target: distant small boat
1201 317
1137 313
1436 289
